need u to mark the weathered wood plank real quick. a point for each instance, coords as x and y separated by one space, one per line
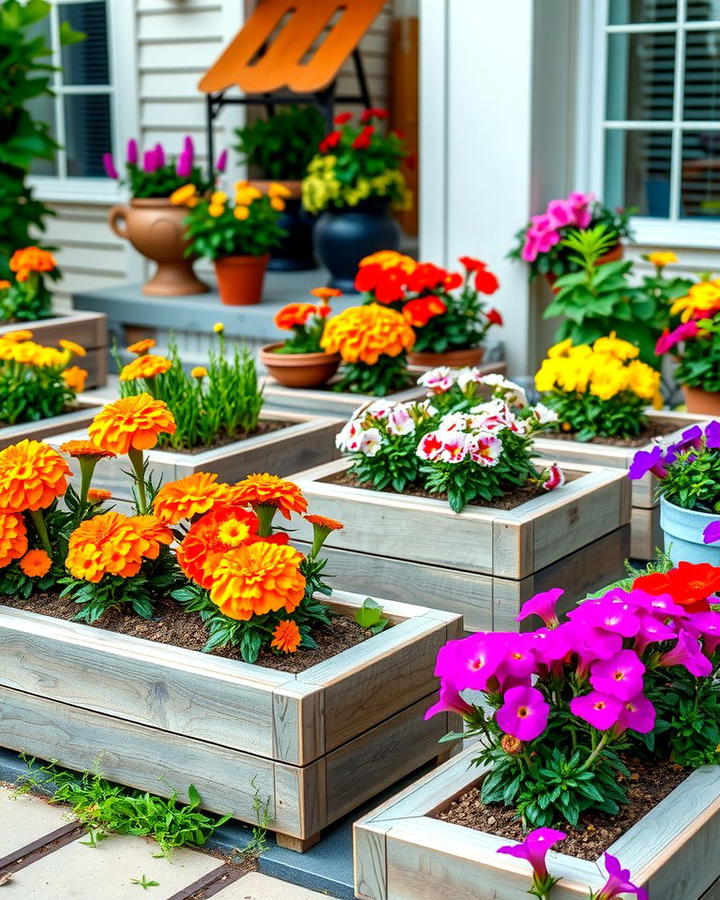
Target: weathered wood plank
646 532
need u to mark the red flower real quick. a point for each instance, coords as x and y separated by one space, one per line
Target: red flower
426 277
330 141
373 112
342 118
690 584
388 285
363 139
398 132
494 317
472 264
486 282
419 311
453 280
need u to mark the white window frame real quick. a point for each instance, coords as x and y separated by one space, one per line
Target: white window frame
591 123
124 110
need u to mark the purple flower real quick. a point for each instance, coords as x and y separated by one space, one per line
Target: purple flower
691 437
188 146
222 162
450 701
132 152
524 713
159 155
150 163
712 435
598 710
637 714
712 533
542 605
706 624
519 659
620 676
646 461
686 652
551 644
618 882
652 631
472 661
535 848
109 166
614 615
184 165
659 604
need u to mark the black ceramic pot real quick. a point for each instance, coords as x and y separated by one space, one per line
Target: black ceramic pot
295 253
342 237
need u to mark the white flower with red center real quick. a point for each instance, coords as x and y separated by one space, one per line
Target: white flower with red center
552 477
430 446
371 441
543 415
349 438
378 410
485 450
468 376
455 446
439 380
399 421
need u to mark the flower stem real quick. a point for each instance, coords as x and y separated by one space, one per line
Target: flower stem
41 529
136 458
600 746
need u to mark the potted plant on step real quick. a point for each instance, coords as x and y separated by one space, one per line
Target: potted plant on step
446 309
279 149
237 236
154 225
688 484
300 361
352 183
695 343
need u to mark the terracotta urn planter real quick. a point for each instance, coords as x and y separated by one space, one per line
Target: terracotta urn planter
456 359
154 226
613 255
240 279
706 403
299 370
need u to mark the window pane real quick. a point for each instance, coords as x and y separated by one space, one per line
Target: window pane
630 12
637 171
704 10
701 175
702 75
641 76
87 134
87 61
42 109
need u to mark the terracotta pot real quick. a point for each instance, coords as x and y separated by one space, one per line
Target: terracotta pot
706 403
154 226
617 253
456 359
240 279
299 370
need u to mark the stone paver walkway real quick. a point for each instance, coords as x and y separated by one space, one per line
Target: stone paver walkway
60 866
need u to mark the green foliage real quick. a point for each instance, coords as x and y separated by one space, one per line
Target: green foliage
589 416
282 145
225 403
29 393
693 481
662 292
387 375
370 616
25 73
144 882
27 301
105 808
164 180
397 466
596 300
699 365
463 324
216 236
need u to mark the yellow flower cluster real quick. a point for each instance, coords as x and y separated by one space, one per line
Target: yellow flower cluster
365 333
18 346
321 187
245 195
661 258
701 302
606 369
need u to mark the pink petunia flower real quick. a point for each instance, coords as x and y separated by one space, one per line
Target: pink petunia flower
669 339
599 710
620 676
450 701
535 849
552 477
542 605
561 212
524 713
706 625
687 653
471 663
618 882
637 714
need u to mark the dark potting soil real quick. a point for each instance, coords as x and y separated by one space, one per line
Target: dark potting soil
650 781
510 500
265 426
172 625
654 430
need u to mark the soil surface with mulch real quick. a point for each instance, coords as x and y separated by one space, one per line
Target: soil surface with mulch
650 782
653 430
265 426
510 500
172 625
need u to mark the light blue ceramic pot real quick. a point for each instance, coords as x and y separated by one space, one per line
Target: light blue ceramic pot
683 534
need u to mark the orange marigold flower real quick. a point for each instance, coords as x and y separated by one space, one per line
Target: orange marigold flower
31 259
35 563
13 538
286 636
389 259
4 284
131 422
72 347
17 336
190 496
325 522
256 579
202 547
145 366
140 347
365 333
325 293
233 532
294 314
32 476
79 449
74 378
98 495
269 490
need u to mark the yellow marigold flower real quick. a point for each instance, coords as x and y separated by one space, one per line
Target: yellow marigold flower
145 366
98 495
702 301
241 213
198 372
131 422
190 496
365 333
247 195
140 347
286 637
72 347
13 538
279 190
661 258
269 490
75 378
215 210
181 196
218 328
233 532
32 476
560 349
616 347
85 449
17 336
256 579
389 259
643 380
35 563
219 198
277 203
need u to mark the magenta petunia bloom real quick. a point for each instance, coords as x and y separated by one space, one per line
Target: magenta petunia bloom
450 701
561 212
620 676
706 624
652 631
591 644
637 714
618 882
471 663
524 713
616 616
132 152
687 653
109 166
535 849
520 660
542 605
221 164
661 605
646 461
551 644
598 710
712 435
668 340
691 438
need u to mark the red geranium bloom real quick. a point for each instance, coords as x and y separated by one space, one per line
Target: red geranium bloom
330 141
342 118
486 282
472 264
494 317
690 584
419 311
398 132
388 285
453 280
426 277
363 139
373 112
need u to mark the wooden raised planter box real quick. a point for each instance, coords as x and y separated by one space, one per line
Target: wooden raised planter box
646 534
89 329
482 563
342 404
306 441
403 853
46 428
155 717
